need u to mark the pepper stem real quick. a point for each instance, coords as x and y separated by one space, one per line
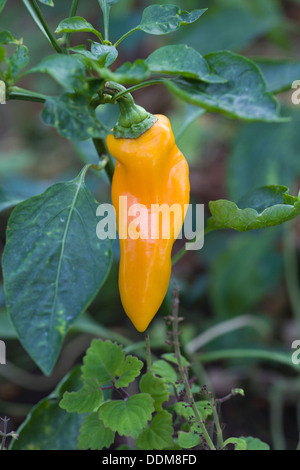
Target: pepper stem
133 120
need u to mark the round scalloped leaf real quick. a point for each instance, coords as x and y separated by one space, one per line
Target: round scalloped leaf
267 206
156 387
127 417
159 433
94 435
85 400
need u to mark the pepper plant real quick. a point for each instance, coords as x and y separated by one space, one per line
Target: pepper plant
53 263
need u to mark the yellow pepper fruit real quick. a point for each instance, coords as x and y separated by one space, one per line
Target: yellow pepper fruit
150 170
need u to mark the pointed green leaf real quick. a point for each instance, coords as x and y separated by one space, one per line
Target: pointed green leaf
159 433
255 444
243 96
164 370
6 37
106 362
50 275
127 417
180 59
165 19
130 73
85 400
104 54
156 387
94 435
67 70
267 206
77 24
73 118
128 371
19 59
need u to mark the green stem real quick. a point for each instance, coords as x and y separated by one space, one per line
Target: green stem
49 33
17 93
220 442
148 349
67 36
103 152
106 22
4 434
125 36
137 87
184 376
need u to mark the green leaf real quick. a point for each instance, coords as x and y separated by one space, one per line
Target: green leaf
159 433
19 59
255 444
76 24
239 443
156 387
104 54
190 439
182 60
49 3
128 371
85 400
73 117
244 96
58 274
94 435
264 207
165 19
105 361
279 74
67 70
128 417
2 4
47 426
185 410
130 73
164 370
6 37
8 200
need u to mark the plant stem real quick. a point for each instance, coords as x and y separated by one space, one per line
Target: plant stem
49 33
125 36
4 434
16 93
220 441
137 87
103 152
183 373
148 350
67 36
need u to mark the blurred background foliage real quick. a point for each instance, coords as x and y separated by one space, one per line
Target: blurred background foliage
242 288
